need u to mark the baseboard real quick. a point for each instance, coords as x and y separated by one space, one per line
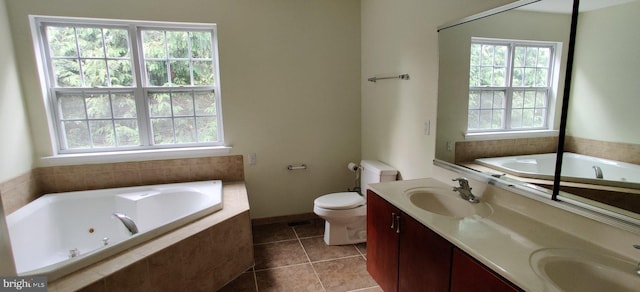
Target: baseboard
284 219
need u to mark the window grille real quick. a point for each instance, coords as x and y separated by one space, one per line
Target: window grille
124 85
509 85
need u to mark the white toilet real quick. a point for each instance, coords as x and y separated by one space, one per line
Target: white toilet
345 213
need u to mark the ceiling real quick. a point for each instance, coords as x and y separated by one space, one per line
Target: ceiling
565 6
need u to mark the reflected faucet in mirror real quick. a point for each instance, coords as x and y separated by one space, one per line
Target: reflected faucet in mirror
598 171
637 246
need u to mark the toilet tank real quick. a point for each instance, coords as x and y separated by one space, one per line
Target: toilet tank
374 171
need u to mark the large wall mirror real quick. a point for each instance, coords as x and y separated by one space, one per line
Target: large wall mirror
604 103
601 144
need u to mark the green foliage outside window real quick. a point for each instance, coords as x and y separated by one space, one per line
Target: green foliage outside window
81 56
187 56
508 86
93 72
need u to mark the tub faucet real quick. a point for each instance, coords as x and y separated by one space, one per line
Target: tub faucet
74 253
465 190
127 221
598 171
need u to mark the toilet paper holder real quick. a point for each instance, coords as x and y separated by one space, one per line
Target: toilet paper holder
297 167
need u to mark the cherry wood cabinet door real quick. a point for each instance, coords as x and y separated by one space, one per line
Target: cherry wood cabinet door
468 275
425 258
382 242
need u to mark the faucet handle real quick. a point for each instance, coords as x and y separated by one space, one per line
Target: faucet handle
464 183
637 246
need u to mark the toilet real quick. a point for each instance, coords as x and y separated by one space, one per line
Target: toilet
345 213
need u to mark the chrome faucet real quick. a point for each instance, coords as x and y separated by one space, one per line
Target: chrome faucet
74 253
465 190
637 246
127 221
598 171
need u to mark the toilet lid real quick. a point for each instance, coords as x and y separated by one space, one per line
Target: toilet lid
340 201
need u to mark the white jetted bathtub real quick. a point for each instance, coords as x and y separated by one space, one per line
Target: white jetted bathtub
575 168
59 233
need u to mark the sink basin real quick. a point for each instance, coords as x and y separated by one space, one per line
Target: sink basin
445 202
578 270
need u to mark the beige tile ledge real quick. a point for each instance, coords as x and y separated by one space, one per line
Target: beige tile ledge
235 202
518 227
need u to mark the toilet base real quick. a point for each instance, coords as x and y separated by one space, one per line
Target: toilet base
341 234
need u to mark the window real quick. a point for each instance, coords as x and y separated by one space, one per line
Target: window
116 85
509 85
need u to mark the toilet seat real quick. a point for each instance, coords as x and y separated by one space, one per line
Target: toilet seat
345 213
340 201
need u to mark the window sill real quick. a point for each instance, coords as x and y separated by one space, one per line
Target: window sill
510 135
136 155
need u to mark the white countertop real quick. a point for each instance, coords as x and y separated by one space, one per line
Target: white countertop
504 240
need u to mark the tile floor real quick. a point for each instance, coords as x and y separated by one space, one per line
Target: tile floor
294 257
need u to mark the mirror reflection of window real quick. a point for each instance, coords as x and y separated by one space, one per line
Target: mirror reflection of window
509 85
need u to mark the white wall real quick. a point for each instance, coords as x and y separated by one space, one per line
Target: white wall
15 149
401 37
290 75
604 100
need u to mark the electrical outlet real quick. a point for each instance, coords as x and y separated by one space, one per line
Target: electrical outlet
427 127
252 158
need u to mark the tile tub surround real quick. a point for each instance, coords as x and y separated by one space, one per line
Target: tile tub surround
25 188
294 257
19 191
625 152
466 151
470 150
201 256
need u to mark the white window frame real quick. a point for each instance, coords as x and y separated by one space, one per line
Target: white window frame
508 88
140 88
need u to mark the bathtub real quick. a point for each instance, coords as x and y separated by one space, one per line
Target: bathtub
57 234
575 168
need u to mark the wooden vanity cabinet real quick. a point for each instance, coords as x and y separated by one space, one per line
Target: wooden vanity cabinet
382 242
404 255
424 258
470 275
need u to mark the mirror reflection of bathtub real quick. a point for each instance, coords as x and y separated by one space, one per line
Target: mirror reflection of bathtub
618 190
575 168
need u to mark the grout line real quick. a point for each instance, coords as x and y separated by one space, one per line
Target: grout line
282 267
255 278
309 259
313 262
365 288
335 259
277 241
312 236
364 256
